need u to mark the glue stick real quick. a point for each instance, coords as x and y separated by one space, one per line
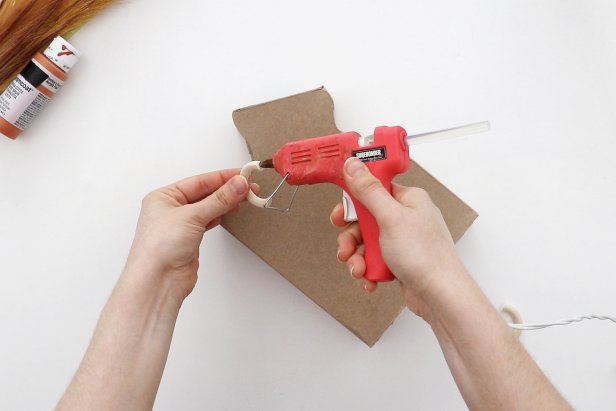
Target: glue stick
26 96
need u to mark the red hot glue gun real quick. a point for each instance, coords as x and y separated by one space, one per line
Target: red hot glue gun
321 160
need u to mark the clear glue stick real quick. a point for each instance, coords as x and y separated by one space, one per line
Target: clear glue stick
26 96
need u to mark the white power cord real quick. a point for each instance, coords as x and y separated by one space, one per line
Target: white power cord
517 324
565 321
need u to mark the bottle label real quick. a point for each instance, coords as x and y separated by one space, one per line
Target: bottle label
62 53
26 96
49 81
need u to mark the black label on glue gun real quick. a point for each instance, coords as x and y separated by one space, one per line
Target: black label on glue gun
371 154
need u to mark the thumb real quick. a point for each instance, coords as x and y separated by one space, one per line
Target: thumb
223 200
367 188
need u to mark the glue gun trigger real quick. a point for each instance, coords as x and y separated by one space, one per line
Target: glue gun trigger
350 215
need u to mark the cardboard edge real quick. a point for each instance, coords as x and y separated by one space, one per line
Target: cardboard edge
474 214
277 100
239 110
372 342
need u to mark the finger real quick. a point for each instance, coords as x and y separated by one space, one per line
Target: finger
223 200
368 189
369 286
193 189
356 265
256 188
337 216
348 241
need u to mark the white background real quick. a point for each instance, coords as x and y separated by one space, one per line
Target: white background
151 102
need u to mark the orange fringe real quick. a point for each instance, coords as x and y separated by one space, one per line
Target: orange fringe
28 26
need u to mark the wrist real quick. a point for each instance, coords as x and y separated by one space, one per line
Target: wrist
149 279
457 302
448 291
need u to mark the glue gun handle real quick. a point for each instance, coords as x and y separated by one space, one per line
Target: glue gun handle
376 269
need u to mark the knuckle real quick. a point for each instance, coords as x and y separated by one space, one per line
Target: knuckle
344 238
370 186
419 193
340 238
414 196
149 198
223 197
351 236
201 222
393 218
438 213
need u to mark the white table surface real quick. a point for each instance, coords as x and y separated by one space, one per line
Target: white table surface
150 102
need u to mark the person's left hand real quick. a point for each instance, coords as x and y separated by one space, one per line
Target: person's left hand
173 220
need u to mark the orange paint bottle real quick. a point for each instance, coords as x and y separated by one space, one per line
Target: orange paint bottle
37 83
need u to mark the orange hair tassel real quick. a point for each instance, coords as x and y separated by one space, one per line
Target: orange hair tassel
28 26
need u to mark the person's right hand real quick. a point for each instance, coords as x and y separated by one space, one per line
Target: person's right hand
415 242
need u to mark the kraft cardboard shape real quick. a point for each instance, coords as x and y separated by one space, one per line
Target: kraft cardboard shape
301 245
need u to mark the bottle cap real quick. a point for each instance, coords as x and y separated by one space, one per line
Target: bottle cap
62 54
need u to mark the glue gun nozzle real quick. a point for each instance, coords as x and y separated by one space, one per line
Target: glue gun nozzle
266 164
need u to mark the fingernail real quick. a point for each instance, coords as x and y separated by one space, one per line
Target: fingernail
239 184
354 167
366 287
338 256
351 270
